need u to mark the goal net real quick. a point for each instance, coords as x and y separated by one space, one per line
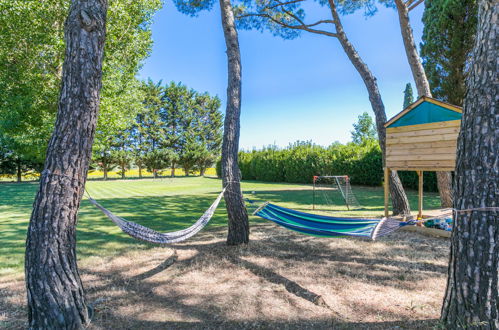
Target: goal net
333 190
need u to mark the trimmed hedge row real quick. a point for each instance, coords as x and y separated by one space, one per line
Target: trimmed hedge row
299 162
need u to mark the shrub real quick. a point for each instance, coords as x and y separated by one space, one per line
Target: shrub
299 162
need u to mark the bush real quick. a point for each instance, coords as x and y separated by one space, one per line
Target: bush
299 162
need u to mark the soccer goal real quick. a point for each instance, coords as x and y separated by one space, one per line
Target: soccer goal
330 190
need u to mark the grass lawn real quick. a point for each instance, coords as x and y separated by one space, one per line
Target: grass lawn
162 204
280 280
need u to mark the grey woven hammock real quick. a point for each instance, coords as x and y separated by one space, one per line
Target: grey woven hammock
151 236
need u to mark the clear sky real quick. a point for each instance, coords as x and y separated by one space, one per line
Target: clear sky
301 89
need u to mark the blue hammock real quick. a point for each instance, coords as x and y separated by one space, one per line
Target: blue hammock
325 226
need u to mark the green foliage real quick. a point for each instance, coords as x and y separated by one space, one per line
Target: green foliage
123 160
103 160
364 129
408 95
286 19
369 6
448 36
158 159
410 180
31 56
14 163
192 153
7 161
174 125
299 162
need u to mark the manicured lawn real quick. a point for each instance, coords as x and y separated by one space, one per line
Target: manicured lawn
162 204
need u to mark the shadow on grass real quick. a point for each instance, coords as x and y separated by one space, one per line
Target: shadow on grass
344 259
289 249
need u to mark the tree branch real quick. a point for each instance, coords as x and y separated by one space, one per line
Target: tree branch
287 12
323 21
306 26
283 4
415 5
302 26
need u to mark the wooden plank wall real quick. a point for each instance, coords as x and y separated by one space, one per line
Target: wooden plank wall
426 146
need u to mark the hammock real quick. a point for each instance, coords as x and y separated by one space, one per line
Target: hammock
320 225
151 236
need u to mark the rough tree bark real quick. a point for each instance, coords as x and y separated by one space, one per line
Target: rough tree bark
472 295
236 210
54 289
444 179
400 203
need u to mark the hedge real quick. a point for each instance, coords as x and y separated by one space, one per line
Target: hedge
299 162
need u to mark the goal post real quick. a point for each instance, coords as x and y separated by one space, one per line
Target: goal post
326 186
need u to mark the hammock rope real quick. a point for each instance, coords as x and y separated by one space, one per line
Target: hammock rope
151 236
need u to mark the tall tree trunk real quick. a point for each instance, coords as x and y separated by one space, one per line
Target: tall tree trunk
472 295
172 172
140 171
19 171
444 179
236 210
400 203
444 183
104 169
54 289
123 171
411 51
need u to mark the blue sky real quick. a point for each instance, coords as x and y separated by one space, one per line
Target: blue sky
301 89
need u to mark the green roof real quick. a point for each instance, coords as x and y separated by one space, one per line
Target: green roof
424 113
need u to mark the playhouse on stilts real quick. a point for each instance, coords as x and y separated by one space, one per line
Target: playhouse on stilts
423 137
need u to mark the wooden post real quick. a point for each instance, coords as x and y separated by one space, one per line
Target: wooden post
387 189
420 194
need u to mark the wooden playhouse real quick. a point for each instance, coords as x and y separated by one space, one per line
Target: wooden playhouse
423 137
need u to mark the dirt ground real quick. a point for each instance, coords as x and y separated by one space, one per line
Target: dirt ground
281 280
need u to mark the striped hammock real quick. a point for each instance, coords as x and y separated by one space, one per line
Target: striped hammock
151 236
320 225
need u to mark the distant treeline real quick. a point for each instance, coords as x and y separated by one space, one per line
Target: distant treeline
299 162
172 127
175 127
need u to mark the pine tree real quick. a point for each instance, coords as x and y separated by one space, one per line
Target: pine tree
444 179
55 292
472 295
179 124
449 29
408 95
210 131
287 19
